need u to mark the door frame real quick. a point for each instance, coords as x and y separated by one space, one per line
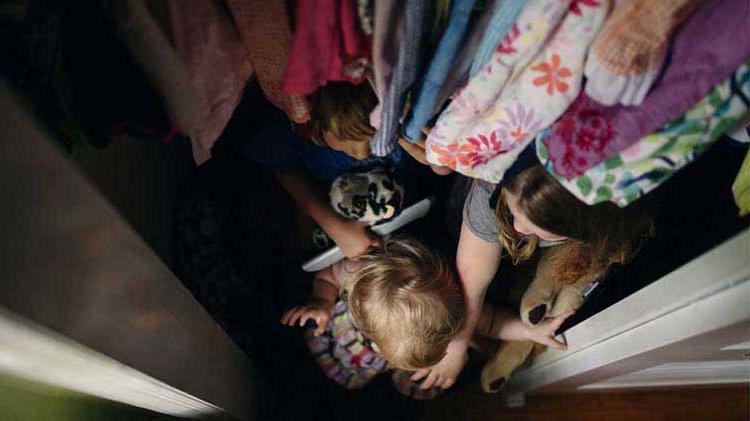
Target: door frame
706 301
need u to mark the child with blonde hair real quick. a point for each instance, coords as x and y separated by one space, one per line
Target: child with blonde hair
397 307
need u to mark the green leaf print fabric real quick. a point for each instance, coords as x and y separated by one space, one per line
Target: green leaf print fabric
639 169
741 187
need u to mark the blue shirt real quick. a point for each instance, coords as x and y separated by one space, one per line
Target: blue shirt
277 147
428 91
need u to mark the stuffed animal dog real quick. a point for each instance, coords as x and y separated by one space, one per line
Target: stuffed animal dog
544 297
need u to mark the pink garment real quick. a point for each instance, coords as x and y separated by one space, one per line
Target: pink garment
193 57
709 47
265 31
532 78
354 40
327 46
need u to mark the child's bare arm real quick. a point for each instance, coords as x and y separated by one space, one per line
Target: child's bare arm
418 152
325 286
319 306
500 323
476 262
351 236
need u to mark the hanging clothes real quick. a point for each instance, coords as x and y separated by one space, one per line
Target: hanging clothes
711 45
385 35
740 134
459 72
365 15
533 77
649 162
265 32
741 187
194 59
414 27
327 46
441 11
504 15
427 93
629 51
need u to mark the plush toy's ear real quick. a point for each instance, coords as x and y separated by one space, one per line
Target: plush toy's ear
389 211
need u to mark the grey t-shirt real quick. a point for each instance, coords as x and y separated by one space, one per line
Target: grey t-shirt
478 214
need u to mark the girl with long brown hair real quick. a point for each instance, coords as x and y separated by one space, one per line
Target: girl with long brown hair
532 210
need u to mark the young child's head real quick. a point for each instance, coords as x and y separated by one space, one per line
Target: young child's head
341 118
407 301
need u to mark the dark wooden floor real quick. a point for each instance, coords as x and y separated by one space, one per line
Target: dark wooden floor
705 404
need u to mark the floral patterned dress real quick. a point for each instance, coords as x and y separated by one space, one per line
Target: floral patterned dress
353 361
534 75
652 160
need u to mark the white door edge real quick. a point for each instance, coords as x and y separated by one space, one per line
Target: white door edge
33 352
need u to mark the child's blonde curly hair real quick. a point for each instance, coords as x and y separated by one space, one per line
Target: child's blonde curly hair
406 300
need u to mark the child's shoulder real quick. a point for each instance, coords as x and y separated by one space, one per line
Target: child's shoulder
344 272
347 267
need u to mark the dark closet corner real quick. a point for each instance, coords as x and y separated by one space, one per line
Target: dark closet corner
695 212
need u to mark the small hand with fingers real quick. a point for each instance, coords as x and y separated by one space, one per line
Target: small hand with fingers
418 151
316 309
444 373
354 239
544 331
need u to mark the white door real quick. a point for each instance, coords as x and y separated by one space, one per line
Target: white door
86 304
691 327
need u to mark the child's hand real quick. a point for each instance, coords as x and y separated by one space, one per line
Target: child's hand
444 373
317 309
544 332
417 151
353 238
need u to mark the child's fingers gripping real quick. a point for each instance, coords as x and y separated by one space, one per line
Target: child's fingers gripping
320 327
288 315
559 320
420 374
303 318
307 314
415 150
554 343
441 381
285 316
322 322
296 314
430 381
436 383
